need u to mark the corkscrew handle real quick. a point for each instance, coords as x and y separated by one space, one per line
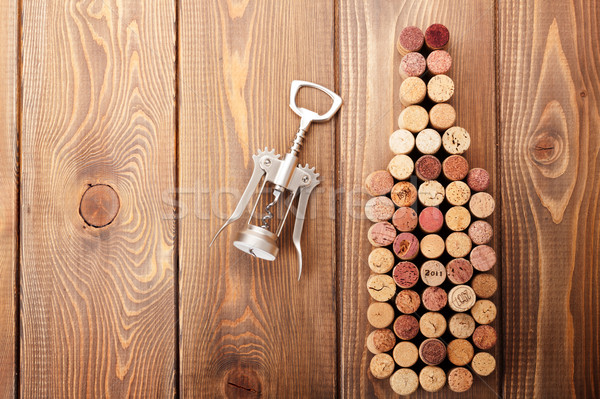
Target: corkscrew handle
307 116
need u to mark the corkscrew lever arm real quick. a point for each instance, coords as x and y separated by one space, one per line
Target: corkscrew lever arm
300 216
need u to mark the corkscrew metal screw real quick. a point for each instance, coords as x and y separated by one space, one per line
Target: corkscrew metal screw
287 177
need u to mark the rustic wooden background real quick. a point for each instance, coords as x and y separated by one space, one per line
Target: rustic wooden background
165 101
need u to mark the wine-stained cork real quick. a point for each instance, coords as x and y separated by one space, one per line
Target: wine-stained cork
380 314
483 258
404 382
460 352
440 88
406 246
411 39
379 209
432 325
379 182
381 340
408 301
460 380
431 193
381 260
413 118
483 364
478 179
406 327
459 271
432 246
455 167
406 274
428 141
433 273
461 298
432 351
481 232
458 218
458 193
406 354
428 167
458 244
484 311
382 366
439 62
456 140
485 337
482 205
431 219
412 91
461 325
434 299
432 378
412 64
381 287
442 116
405 219
484 285
437 37
401 142
404 193
401 167
381 234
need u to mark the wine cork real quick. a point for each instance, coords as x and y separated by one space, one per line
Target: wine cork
380 314
381 234
434 299
382 366
480 232
478 179
431 220
404 382
404 193
412 91
406 327
406 354
460 352
432 325
458 244
484 285
459 271
381 260
379 182
455 167
412 64
432 351
442 116
433 273
484 337
436 37
456 140
483 258
405 219
428 167
440 88
381 287
458 193
381 340
428 141
483 364
401 142
411 39
401 167
432 246
461 325
460 380
413 118
406 246
406 274
379 209
482 205
484 311
431 193
432 378
458 218
439 62
408 301
461 298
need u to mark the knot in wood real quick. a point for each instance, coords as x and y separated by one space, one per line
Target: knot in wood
99 205
546 147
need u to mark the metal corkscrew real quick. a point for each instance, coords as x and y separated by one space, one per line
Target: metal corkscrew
285 176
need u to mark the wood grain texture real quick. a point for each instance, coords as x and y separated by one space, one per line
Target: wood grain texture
370 85
248 327
549 89
98 107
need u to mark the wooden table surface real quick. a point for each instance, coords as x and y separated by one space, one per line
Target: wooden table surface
166 102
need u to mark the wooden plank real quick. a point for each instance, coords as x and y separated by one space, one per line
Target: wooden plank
369 84
249 327
9 33
98 108
550 89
